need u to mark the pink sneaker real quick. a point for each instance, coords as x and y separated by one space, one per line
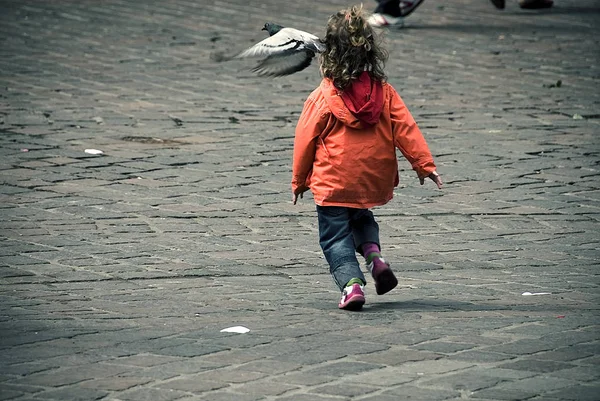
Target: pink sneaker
353 297
384 278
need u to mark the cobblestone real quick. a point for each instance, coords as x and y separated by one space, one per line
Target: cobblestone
119 271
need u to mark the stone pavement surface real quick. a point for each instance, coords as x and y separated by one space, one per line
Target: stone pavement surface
119 271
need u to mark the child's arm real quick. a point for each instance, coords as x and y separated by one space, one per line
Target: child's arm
409 139
310 125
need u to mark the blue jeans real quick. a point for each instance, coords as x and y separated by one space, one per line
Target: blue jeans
342 231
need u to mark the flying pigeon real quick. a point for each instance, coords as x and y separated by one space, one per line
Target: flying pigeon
284 52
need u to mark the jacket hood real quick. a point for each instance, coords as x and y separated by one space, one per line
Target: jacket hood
358 105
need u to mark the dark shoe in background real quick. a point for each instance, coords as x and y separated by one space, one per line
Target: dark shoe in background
535 4
499 4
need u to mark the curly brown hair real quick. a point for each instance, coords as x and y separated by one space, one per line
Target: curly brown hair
351 47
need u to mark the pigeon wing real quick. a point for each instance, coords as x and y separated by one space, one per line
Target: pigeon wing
286 41
284 64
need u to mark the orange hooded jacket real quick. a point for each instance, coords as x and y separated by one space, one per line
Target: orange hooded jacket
347 162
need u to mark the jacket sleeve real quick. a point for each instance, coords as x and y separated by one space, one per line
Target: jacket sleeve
310 125
408 137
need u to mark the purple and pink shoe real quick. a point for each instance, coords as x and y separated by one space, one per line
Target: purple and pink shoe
384 277
353 297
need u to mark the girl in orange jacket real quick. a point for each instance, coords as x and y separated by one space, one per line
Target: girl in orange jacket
345 153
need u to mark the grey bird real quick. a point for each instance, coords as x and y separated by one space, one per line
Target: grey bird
284 52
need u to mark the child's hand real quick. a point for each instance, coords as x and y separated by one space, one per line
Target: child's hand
435 177
298 193
295 197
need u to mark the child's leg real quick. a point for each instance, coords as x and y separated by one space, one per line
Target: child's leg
365 231
389 7
337 243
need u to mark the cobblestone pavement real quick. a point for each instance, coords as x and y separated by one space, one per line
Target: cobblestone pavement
118 271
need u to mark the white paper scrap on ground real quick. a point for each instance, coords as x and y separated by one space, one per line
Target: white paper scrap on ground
93 151
527 293
236 329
